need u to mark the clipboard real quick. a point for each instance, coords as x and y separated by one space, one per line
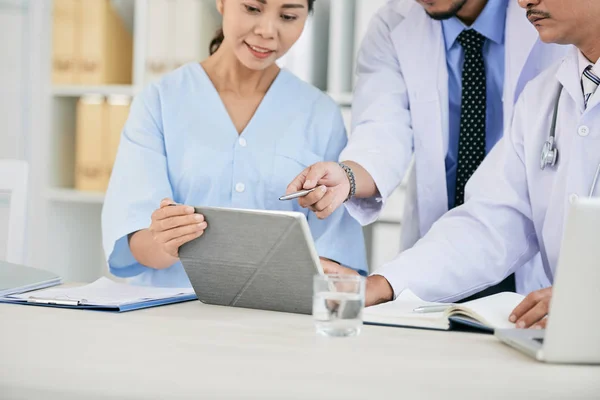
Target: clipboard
104 295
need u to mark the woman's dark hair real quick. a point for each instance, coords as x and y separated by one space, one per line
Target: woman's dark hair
215 43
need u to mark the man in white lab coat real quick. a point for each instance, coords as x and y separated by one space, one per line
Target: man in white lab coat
437 80
515 208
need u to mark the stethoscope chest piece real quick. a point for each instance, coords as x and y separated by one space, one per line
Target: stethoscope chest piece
549 154
549 150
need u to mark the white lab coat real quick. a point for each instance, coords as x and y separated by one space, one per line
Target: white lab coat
514 208
401 109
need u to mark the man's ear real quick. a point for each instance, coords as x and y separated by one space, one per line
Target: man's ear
220 6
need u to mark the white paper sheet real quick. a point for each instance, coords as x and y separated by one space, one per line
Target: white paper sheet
105 292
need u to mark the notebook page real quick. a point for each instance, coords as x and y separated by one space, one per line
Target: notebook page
105 292
493 310
400 312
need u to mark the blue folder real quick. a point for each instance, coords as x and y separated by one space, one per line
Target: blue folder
102 295
120 308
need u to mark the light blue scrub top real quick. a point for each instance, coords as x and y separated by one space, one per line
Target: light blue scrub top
179 142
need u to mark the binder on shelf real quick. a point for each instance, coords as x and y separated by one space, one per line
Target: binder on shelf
192 28
89 144
190 24
117 109
106 45
157 39
65 41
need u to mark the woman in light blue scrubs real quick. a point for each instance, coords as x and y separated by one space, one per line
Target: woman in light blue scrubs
232 131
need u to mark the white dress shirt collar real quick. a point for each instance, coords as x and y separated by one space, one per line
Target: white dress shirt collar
584 63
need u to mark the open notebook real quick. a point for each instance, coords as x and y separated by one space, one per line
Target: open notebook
485 314
103 295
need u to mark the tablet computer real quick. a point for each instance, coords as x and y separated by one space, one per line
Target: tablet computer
253 259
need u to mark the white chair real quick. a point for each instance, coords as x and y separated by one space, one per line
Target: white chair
13 206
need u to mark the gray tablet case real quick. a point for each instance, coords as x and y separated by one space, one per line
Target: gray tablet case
254 259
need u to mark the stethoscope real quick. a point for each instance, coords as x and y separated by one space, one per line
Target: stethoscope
549 150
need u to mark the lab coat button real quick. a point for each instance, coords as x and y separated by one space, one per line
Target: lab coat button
242 142
573 198
240 187
583 130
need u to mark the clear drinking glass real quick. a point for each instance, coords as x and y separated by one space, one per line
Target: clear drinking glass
338 303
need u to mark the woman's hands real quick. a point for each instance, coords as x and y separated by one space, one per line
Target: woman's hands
174 225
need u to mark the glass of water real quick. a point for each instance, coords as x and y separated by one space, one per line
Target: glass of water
338 303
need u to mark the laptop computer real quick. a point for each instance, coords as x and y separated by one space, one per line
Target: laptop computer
573 328
253 259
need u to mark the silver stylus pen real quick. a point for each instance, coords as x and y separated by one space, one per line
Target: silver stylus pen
292 196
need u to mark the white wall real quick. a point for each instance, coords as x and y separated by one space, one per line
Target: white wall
13 82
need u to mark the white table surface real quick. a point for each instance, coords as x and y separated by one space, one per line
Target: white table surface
196 351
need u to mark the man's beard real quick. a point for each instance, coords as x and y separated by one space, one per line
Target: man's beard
454 9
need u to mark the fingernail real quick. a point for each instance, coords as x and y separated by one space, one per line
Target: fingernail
307 184
537 327
512 318
521 324
201 225
323 188
189 210
198 218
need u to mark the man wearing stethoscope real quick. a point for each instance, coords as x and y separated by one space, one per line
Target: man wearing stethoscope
437 83
516 201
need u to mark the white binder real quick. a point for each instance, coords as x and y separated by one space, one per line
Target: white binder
158 40
194 25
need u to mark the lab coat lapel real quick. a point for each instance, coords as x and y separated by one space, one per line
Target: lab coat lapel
421 54
568 76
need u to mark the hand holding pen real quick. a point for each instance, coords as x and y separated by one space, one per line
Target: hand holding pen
296 195
328 185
